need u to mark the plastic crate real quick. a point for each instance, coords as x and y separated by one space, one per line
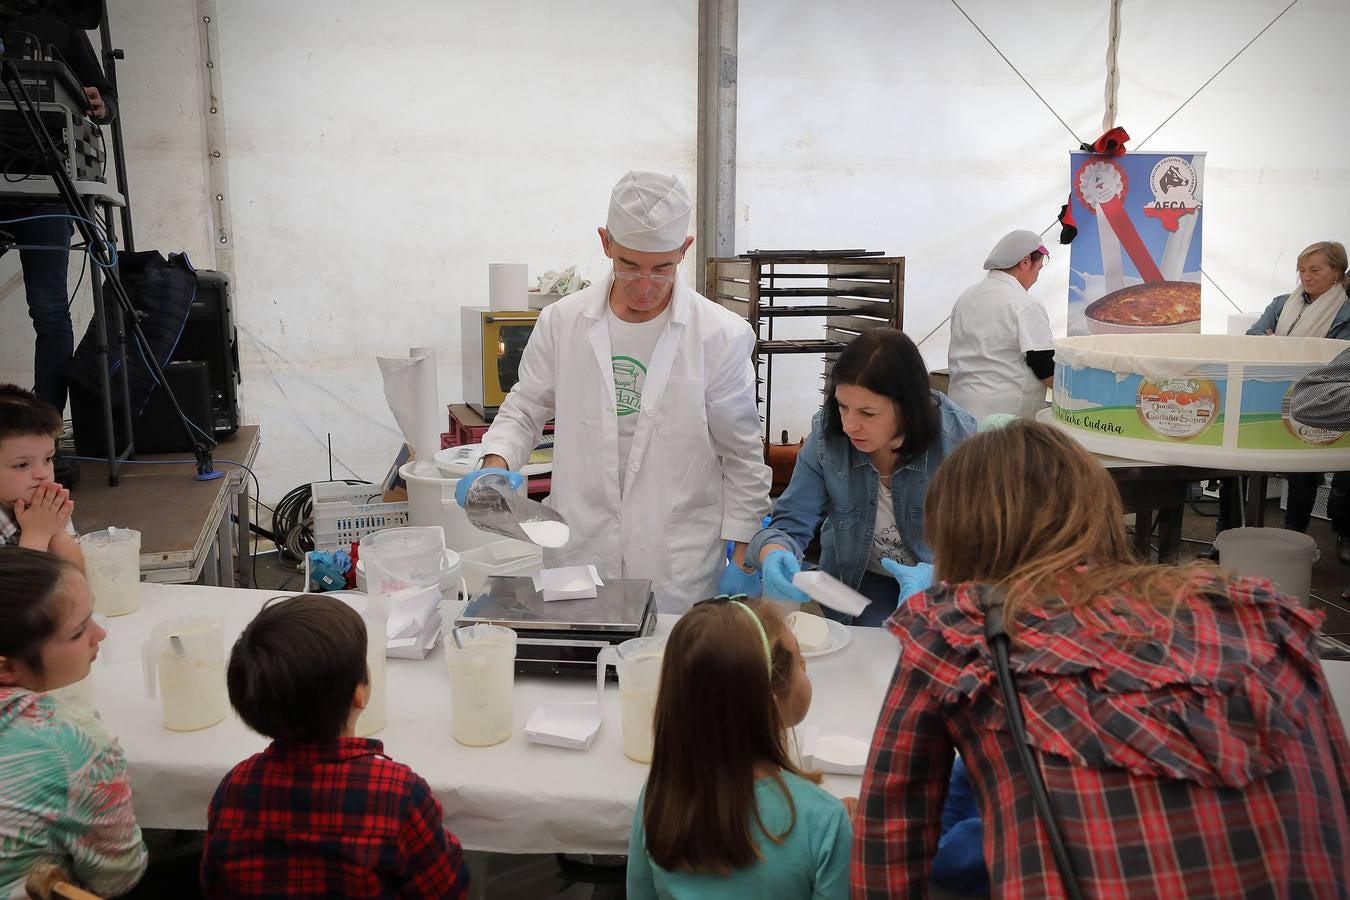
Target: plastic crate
1320 501
345 513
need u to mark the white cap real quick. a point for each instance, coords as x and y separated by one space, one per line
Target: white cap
649 212
1010 249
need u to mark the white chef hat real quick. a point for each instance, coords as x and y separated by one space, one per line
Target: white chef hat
649 212
1010 249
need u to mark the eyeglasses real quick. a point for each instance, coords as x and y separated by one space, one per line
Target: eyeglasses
637 276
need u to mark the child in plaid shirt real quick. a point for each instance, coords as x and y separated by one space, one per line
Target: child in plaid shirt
319 813
34 509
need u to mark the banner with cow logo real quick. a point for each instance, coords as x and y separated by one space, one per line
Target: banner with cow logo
1135 264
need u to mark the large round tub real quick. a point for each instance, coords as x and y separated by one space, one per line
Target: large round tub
1216 401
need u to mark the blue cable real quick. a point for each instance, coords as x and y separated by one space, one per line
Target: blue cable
108 246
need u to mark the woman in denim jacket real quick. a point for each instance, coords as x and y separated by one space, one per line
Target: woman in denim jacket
881 433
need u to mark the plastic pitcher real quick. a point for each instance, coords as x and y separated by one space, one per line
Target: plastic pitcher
1285 557
639 664
112 563
184 659
374 613
493 506
482 661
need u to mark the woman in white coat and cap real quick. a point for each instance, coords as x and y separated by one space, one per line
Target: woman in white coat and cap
657 455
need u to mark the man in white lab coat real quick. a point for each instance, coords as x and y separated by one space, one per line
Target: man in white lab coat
657 453
1001 356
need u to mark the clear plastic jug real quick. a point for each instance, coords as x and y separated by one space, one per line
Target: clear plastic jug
184 660
112 563
482 662
639 665
492 505
374 613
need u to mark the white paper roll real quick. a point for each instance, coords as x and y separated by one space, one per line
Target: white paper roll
411 391
508 286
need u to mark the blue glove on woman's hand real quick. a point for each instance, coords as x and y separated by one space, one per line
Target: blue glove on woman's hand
778 568
513 480
913 579
736 580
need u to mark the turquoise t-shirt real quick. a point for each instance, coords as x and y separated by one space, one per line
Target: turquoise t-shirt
811 862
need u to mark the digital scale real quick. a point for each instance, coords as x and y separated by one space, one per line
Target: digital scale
565 636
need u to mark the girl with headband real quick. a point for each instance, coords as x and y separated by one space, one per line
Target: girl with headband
725 812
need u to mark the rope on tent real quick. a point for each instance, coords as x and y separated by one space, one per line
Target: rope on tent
1077 140
1291 5
1112 69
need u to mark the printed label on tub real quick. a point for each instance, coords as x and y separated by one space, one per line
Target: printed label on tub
1267 425
1188 409
1128 405
1178 408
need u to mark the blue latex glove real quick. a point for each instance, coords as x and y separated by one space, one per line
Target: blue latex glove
735 581
913 579
513 479
778 568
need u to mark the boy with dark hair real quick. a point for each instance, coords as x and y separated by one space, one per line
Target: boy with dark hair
34 510
319 813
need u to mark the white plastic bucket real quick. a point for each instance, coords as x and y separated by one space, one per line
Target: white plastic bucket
431 501
1285 557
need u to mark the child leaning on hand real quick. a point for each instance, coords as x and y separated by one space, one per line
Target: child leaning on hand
34 510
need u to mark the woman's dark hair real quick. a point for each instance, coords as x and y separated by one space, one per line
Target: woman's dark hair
30 583
716 718
294 669
22 414
886 362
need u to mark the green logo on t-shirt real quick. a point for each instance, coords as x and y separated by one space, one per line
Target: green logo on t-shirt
628 377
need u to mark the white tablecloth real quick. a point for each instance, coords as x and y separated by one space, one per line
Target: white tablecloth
515 797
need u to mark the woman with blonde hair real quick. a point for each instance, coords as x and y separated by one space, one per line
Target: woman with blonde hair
1177 717
1318 306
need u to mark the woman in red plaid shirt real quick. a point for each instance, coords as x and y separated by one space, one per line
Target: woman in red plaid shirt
1179 716
319 813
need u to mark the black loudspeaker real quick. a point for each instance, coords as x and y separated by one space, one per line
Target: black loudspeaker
157 430
210 337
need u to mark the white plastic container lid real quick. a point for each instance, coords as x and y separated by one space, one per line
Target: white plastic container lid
456 462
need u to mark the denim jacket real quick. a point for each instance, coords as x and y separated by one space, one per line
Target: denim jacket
835 481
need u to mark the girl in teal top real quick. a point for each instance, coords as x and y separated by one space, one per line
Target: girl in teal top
725 812
64 794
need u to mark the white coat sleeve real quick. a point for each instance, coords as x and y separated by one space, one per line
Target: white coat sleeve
733 424
520 420
1033 328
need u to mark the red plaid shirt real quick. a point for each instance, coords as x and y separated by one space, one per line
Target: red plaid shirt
335 819
1203 758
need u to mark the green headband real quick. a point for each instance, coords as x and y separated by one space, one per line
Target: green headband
763 636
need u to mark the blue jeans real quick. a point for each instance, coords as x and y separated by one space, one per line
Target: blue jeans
44 282
882 591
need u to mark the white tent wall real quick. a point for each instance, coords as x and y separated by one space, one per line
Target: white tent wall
380 157
896 127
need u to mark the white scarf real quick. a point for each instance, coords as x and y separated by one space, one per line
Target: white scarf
1299 319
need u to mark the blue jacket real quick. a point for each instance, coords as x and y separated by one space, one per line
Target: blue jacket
1340 325
835 481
